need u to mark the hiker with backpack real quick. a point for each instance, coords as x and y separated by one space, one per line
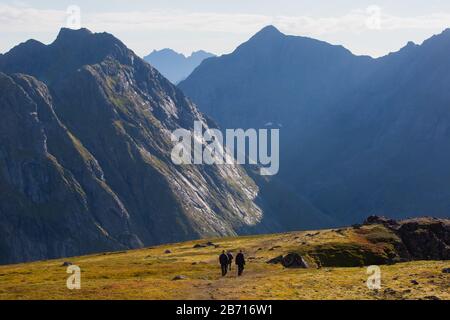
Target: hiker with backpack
230 259
240 262
223 260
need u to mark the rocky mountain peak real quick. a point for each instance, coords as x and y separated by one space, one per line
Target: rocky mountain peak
71 50
269 31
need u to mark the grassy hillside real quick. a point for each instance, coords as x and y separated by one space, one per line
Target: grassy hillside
148 273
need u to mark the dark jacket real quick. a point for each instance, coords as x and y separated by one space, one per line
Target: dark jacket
223 259
240 260
230 258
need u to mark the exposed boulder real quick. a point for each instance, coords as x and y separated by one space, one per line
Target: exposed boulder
204 245
291 260
275 260
294 260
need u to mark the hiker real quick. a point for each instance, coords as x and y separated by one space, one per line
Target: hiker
240 262
223 259
230 259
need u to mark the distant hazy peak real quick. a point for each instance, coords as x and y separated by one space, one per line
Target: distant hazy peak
176 66
171 52
270 39
437 44
270 29
269 33
441 39
165 51
444 33
201 53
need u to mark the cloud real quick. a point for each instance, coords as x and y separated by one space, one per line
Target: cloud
160 20
346 29
359 21
22 18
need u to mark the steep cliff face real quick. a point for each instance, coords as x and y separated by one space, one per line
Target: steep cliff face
85 142
48 181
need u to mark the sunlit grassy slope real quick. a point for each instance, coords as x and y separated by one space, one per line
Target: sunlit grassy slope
148 273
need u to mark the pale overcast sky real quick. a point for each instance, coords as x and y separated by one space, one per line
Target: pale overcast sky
365 27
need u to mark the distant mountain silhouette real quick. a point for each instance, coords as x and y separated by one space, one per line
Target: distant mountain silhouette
359 135
176 66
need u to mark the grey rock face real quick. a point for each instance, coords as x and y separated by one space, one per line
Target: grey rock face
46 211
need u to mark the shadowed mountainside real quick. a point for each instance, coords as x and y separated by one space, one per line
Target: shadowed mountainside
359 136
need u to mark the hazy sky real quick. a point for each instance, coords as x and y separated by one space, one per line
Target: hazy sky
365 27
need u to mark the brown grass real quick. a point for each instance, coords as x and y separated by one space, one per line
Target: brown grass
148 273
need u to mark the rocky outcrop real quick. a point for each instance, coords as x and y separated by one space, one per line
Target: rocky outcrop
376 242
291 260
424 238
381 220
294 260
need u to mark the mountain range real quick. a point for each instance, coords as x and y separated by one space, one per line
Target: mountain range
176 66
359 135
85 142
85 158
86 138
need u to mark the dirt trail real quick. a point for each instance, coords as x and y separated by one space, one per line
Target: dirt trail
228 287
